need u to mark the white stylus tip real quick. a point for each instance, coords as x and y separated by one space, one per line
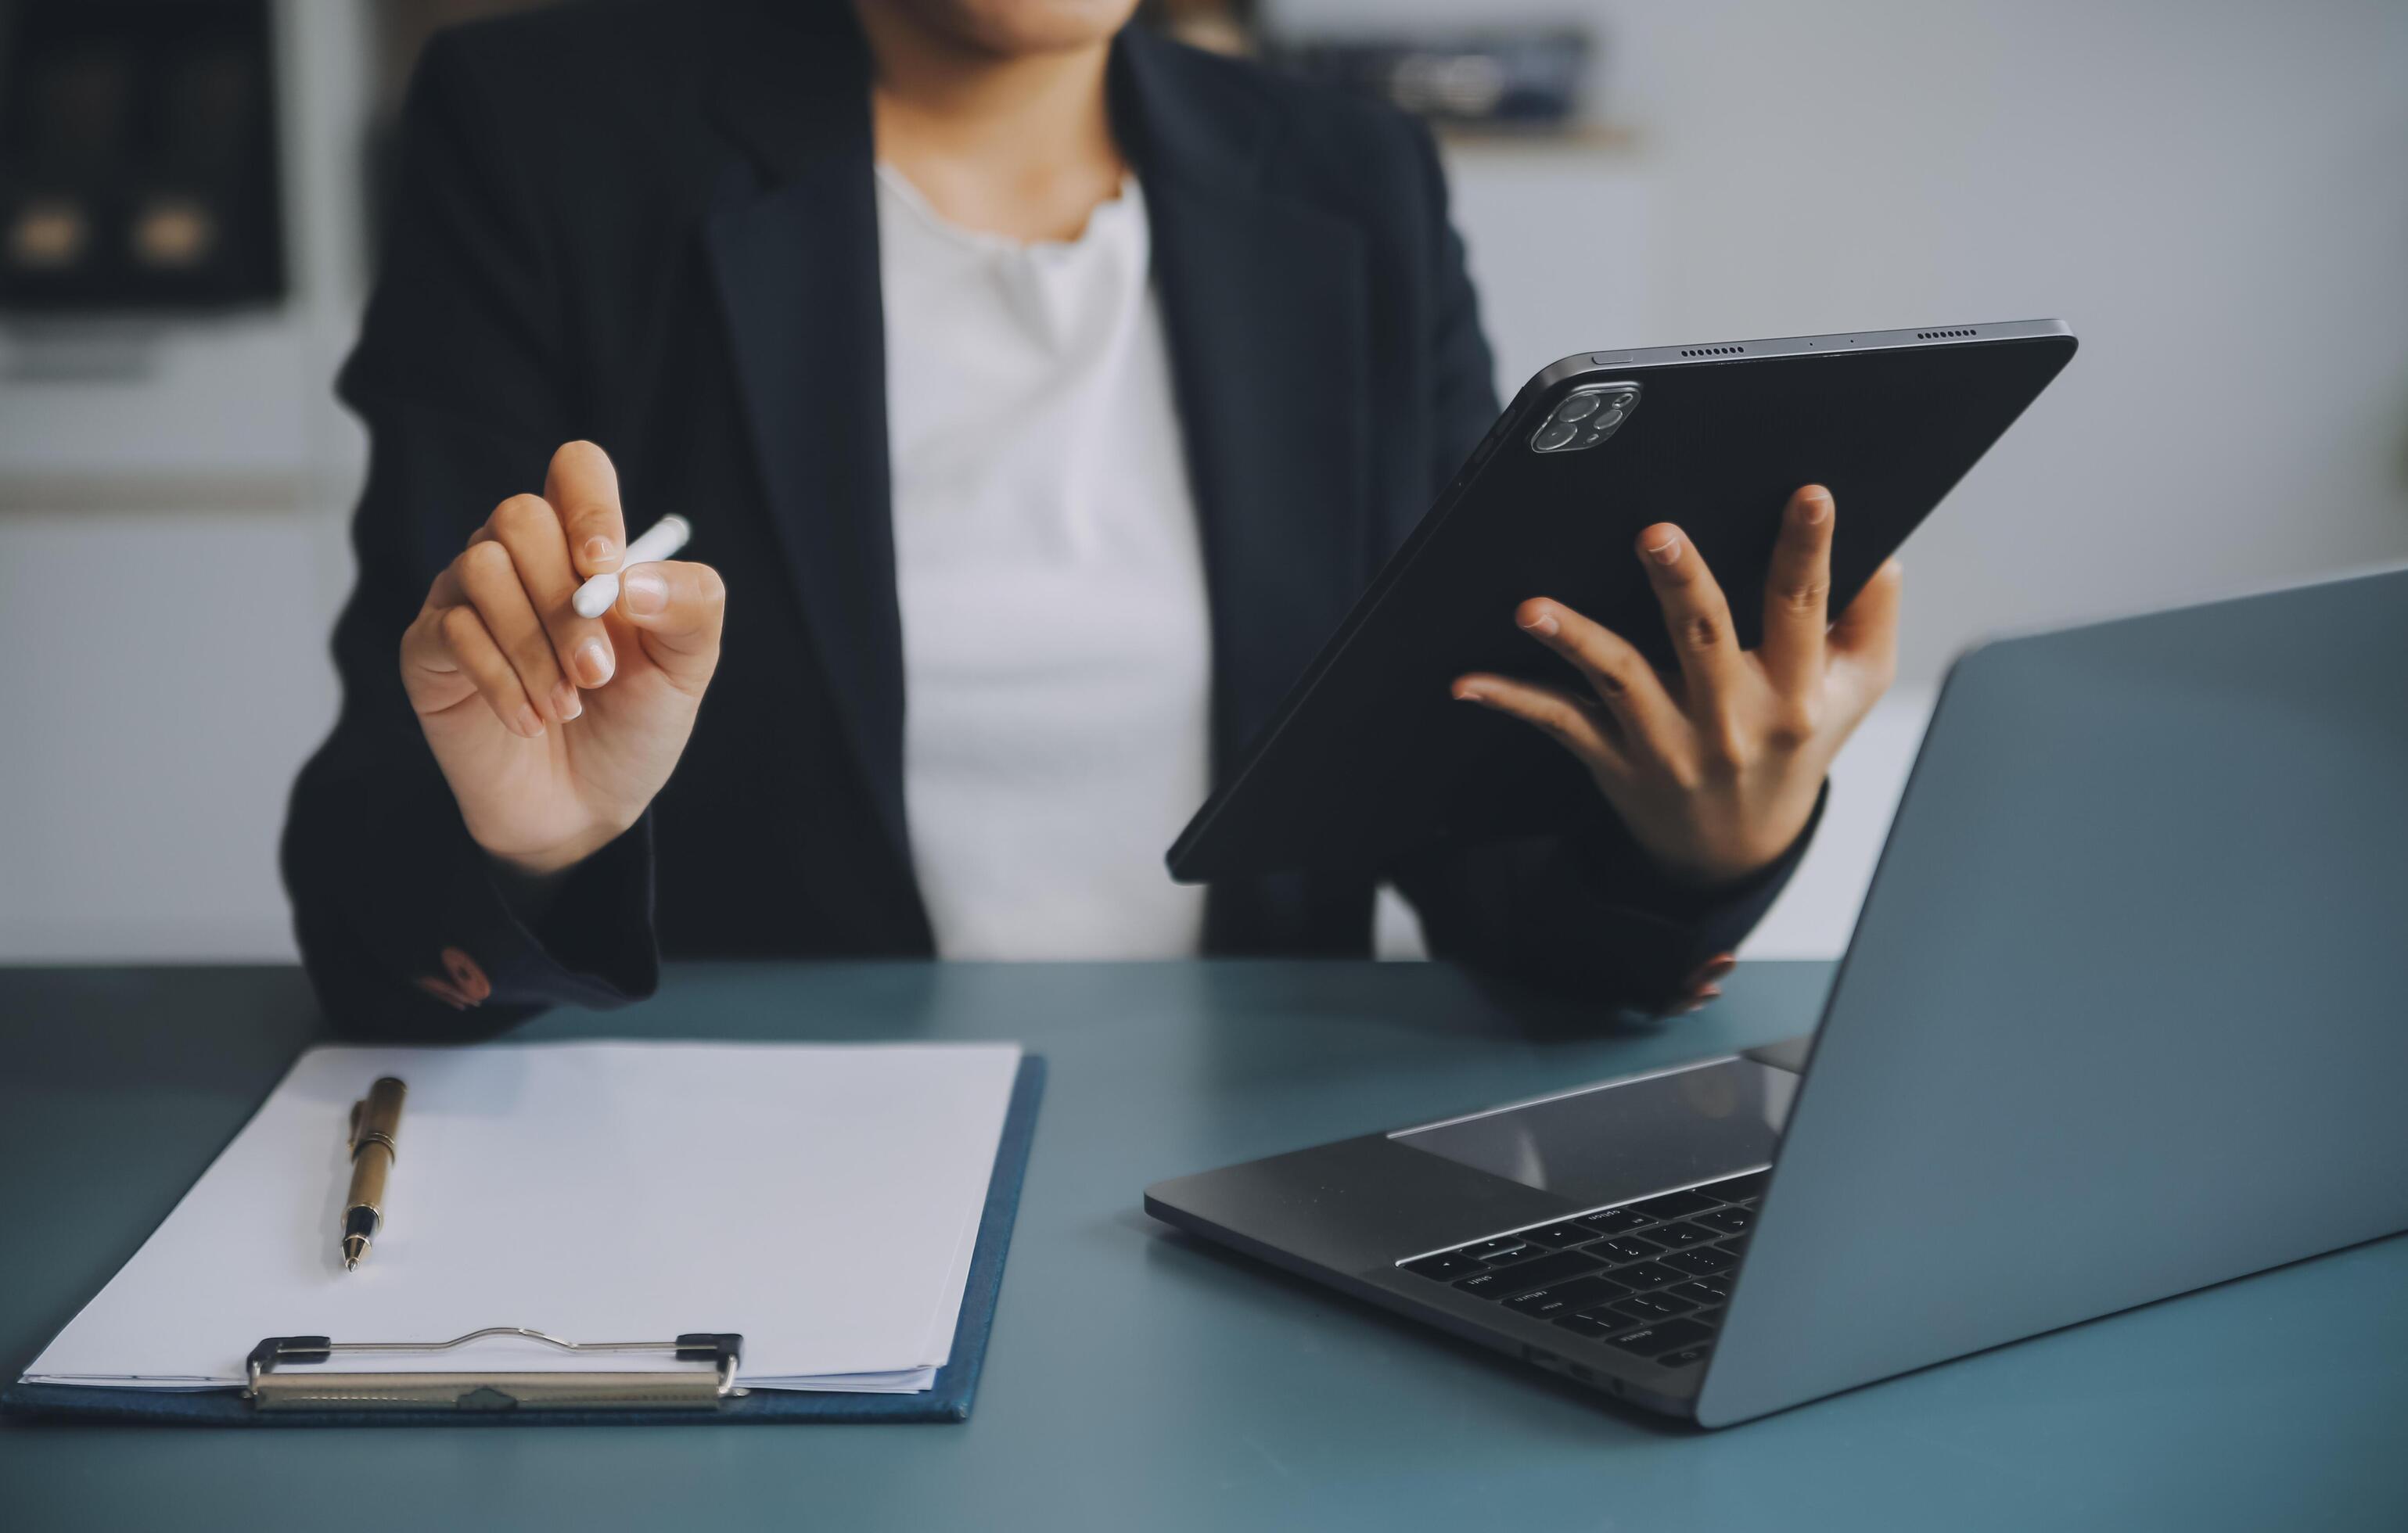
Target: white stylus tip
594 597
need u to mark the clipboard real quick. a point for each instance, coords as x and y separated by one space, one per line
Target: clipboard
303 1388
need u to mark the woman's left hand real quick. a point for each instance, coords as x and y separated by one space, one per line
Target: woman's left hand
1716 769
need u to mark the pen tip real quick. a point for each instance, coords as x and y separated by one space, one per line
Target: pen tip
351 1264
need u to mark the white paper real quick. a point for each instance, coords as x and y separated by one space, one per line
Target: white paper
821 1199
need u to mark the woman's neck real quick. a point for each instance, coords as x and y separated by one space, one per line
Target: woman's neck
1020 146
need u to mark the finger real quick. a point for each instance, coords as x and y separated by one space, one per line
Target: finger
1798 593
1712 969
1551 710
441 990
1695 612
429 672
583 487
532 529
1620 676
455 639
488 579
680 609
1866 632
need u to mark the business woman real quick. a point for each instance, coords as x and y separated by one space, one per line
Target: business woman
1042 392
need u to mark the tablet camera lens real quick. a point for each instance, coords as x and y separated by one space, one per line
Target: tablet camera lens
1583 419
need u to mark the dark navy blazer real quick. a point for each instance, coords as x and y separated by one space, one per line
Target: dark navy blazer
652 225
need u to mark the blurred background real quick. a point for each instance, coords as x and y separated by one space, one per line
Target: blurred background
2212 193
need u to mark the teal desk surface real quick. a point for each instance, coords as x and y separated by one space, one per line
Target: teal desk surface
1140 1380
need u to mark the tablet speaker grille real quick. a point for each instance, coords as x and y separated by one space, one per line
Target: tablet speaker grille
1941 335
1714 350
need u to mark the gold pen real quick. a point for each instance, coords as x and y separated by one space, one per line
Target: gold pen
375 1120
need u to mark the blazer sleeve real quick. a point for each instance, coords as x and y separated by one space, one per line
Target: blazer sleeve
1584 913
459 376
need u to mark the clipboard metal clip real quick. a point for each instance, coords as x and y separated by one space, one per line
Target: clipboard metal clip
699 1389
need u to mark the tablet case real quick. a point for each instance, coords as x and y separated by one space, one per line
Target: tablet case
948 1400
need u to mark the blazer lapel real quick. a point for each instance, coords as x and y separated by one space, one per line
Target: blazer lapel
793 247
1265 303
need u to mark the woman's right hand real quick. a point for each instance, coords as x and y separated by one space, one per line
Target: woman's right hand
555 731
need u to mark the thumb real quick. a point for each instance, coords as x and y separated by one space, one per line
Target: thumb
1868 630
677 610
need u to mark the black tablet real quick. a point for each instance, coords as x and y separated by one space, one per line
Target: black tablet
1370 757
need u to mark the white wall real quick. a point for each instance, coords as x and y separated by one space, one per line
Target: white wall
172 551
2211 193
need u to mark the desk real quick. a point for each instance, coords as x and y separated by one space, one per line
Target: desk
1138 1380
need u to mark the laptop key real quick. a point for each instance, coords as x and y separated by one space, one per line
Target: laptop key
1564 1297
1671 1336
1649 1306
1616 1222
1565 1234
1703 1291
1629 1248
1648 1275
1711 1315
1446 1267
1520 1278
1590 1325
1704 1261
1681 1234
1675 1205
1730 1220
1684 1357
1503 1248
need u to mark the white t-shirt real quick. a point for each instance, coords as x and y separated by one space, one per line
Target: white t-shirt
1056 639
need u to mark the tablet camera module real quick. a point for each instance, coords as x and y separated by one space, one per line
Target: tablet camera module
1587 417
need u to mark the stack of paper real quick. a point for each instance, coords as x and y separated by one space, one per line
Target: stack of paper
822 1201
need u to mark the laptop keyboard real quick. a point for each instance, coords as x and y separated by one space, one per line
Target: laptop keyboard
1648 1276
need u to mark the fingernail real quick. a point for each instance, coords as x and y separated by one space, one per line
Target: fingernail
1544 623
645 592
1469 695
1666 552
594 662
565 703
600 553
527 722
1813 506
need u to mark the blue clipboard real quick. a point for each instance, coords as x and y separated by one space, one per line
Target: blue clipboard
948 1400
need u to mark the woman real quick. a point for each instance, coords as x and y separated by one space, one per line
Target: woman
1062 380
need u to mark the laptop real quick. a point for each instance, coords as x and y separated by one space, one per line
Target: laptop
2122 1017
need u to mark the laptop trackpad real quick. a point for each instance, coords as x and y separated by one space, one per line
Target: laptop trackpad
1610 1143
